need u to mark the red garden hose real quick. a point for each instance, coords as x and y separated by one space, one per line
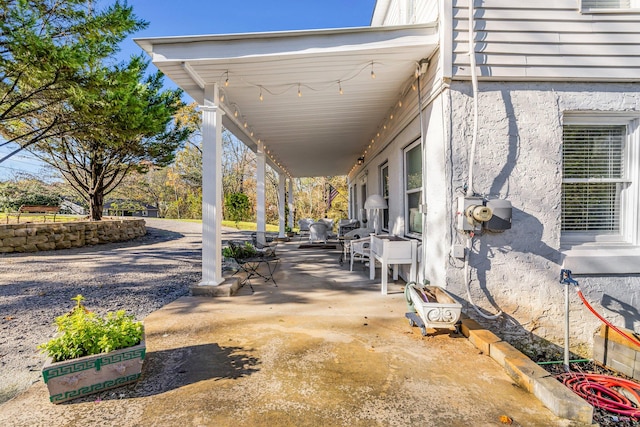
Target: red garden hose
601 391
606 322
604 391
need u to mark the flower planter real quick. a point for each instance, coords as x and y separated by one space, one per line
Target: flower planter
79 377
434 306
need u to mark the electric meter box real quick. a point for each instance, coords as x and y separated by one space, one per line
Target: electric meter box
462 222
501 219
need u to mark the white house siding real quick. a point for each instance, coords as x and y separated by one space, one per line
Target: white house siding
545 40
519 158
402 131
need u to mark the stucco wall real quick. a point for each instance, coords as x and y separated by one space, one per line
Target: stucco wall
49 236
519 158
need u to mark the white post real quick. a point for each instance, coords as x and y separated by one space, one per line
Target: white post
260 192
291 205
281 216
211 188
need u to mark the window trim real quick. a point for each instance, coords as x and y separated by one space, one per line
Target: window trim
406 192
619 254
383 166
634 8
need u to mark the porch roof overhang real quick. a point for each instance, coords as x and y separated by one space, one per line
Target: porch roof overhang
308 128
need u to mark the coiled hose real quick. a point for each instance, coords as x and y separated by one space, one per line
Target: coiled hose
604 391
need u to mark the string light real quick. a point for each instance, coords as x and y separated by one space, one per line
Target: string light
373 74
261 97
299 91
226 82
400 103
413 86
235 113
339 87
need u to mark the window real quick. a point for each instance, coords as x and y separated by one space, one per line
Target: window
609 5
384 185
413 188
600 230
593 179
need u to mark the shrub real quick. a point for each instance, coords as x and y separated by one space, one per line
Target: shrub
82 333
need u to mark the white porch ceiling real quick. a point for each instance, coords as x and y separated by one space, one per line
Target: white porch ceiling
320 133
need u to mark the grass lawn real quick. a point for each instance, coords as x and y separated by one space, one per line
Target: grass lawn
252 226
33 217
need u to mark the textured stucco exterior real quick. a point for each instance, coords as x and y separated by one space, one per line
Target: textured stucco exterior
518 158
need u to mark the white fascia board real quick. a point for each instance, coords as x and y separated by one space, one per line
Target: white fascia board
313 42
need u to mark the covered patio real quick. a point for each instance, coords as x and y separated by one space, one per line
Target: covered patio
308 103
323 348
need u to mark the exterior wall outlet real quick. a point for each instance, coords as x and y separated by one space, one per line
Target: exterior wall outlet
458 251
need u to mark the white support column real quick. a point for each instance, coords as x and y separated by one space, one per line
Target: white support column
291 204
281 216
260 191
211 188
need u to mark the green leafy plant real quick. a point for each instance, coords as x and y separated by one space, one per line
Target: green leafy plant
246 250
83 333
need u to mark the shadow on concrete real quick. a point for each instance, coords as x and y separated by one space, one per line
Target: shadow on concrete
168 370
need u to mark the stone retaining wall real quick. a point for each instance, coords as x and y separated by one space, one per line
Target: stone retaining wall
63 235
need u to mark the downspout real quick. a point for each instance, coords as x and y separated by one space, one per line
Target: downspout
474 85
423 65
472 155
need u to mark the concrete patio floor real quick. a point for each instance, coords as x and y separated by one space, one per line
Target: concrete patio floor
323 348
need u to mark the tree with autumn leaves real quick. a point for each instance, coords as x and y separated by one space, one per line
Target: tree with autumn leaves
63 98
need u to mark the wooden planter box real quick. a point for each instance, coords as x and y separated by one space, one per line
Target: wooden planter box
79 377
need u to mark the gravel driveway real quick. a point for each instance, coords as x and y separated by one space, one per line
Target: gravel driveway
139 276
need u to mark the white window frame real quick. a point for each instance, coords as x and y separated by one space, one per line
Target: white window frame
591 253
407 214
384 212
587 6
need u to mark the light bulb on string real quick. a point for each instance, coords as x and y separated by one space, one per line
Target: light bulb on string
299 91
340 88
235 113
399 103
373 74
413 86
226 81
222 98
261 98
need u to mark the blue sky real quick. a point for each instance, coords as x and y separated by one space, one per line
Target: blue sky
191 17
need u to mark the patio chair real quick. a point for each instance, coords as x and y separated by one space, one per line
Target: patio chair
303 225
264 243
318 232
350 237
329 223
346 225
360 250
